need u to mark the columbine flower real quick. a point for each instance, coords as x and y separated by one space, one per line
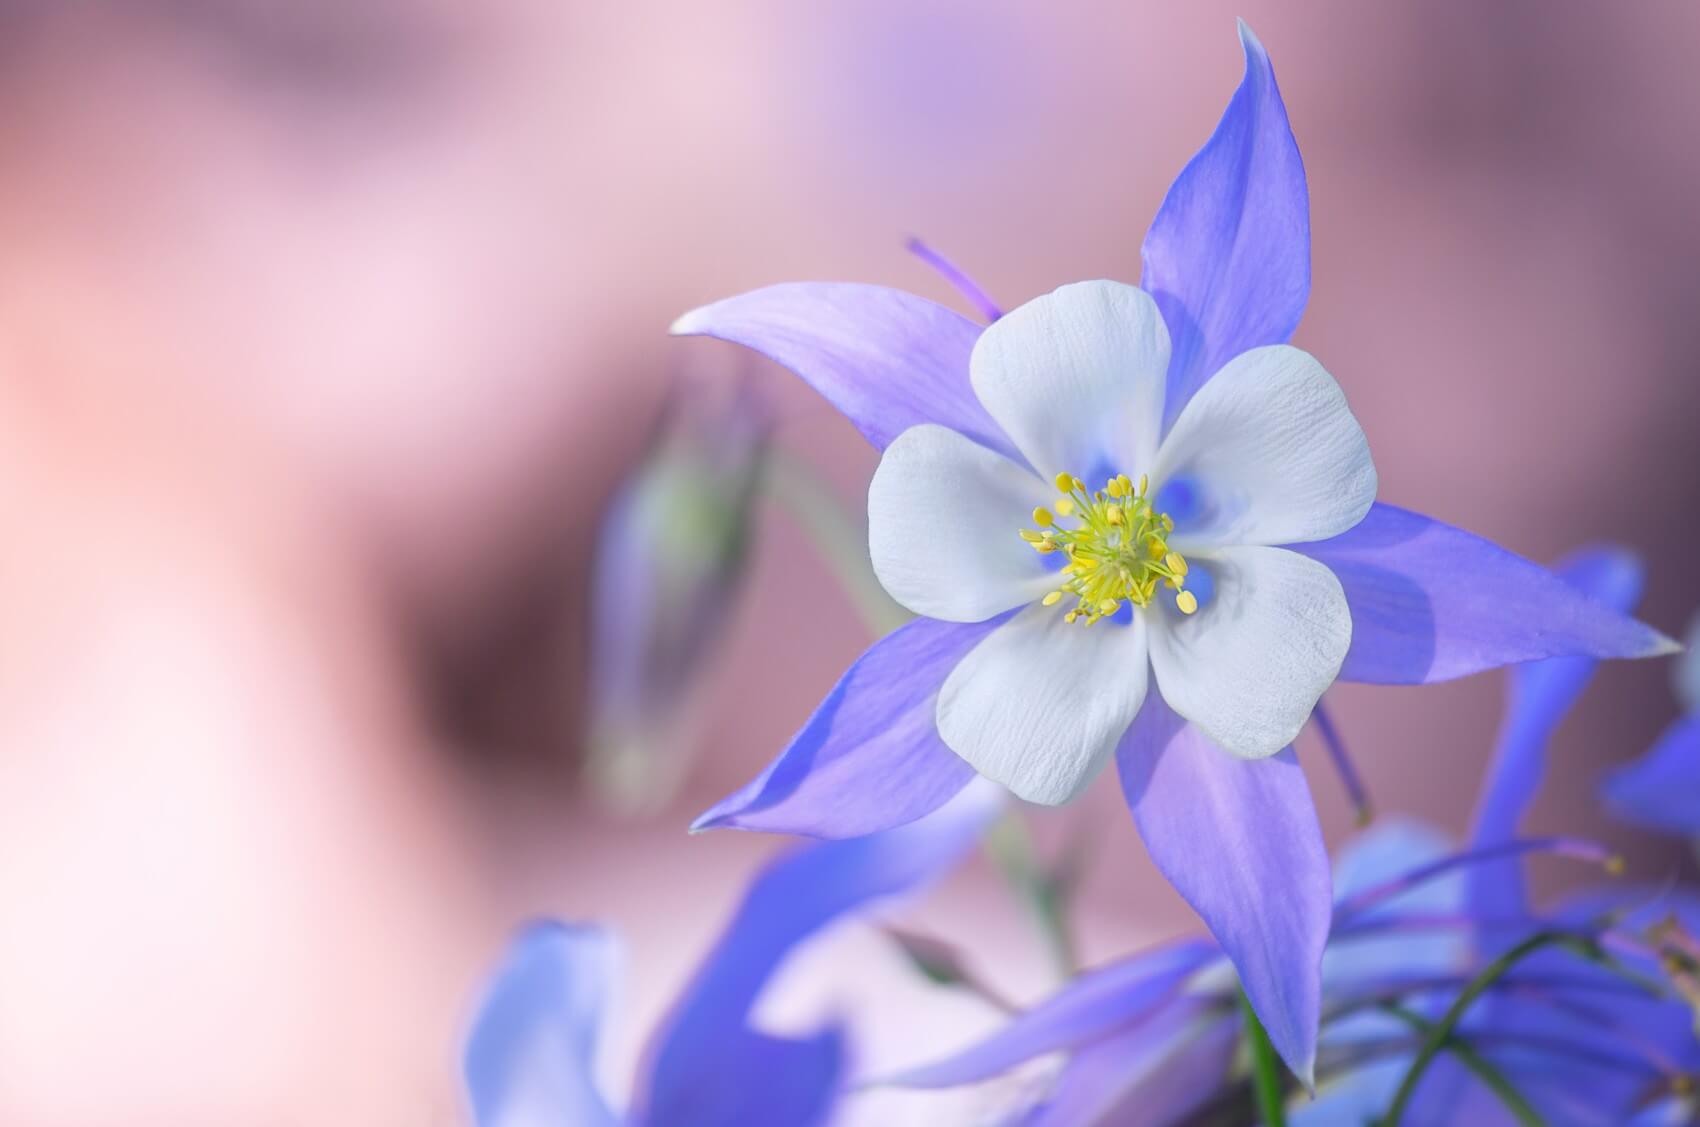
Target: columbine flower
670 557
1250 455
1153 1038
530 1058
1266 453
1661 790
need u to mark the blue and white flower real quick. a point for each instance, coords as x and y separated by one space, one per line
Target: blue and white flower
1173 404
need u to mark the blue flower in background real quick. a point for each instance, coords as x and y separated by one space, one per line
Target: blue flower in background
1661 790
1258 584
1151 1039
530 1057
1569 1035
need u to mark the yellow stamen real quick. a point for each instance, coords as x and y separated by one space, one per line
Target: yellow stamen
1117 548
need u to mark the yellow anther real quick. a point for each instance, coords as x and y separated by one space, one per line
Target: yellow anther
1615 865
1115 546
1187 601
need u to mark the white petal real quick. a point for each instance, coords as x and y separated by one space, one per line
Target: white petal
1041 703
1252 663
1076 379
1271 452
945 516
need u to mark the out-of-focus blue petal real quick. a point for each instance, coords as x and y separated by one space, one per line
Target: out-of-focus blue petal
1394 847
1431 602
1360 1096
530 1056
705 1067
1661 790
1155 1074
886 359
1239 840
870 757
1542 693
1228 256
1092 1006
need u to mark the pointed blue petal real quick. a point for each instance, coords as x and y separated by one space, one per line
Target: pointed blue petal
1431 602
1541 693
1093 1005
1156 1074
706 1068
886 359
1661 790
870 757
1228 256
530 1056
1239 839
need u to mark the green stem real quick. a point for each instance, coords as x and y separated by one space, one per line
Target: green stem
1443 1031
1496 1081
840 538
1265 1068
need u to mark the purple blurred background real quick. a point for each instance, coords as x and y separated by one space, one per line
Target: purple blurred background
327 328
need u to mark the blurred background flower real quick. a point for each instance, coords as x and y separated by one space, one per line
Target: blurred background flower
327 329
670 560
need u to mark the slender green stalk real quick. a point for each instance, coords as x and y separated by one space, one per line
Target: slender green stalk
1496 1081
1265 1068
1442 1032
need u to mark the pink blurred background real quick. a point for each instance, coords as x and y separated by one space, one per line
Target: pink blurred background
327 327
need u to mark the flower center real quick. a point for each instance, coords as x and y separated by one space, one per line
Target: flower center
1119 551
